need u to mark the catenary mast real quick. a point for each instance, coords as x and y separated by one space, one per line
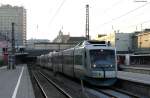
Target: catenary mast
87 23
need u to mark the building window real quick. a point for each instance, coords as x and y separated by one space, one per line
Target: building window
117 38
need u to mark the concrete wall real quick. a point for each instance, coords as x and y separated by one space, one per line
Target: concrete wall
122 41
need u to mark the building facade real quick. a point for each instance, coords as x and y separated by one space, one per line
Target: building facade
17 15
31 42
61 38
53 46
141 41
122 41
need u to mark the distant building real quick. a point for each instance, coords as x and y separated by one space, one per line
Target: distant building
122 41
31 42
101 35
45 44
61 38
53 46
17 15
141 41
75 39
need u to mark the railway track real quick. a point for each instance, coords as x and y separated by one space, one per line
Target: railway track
115 93
40 86
106 92
125 92
48 88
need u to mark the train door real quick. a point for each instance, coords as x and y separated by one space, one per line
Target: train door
68 68
55 62
60 62
86 60
78 62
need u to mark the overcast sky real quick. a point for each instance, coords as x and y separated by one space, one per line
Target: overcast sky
46 17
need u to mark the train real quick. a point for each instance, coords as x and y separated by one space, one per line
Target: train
91 61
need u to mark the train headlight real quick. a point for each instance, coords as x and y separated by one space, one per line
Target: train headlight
94 65
111 65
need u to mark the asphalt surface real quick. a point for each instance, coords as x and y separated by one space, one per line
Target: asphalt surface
15 83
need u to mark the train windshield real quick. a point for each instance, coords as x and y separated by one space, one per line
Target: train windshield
102 58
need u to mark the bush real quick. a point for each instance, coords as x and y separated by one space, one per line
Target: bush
1 62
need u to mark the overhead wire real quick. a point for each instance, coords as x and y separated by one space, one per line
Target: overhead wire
112 6
137 24
130 19
125 14
147 21
57 11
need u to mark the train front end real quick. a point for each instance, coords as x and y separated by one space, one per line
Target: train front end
101 66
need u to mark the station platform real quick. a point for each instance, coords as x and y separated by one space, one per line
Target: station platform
15 83
3 67
142 67
134 77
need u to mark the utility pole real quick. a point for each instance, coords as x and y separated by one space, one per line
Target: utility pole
87 23
11 64
13 46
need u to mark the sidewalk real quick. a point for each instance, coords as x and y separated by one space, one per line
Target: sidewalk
15 83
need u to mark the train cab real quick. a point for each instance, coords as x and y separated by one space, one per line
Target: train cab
99 63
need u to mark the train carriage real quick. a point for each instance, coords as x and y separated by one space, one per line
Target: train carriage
91 61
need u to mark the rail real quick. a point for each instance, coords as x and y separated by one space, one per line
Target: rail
40 87
125 92
57 86
105 93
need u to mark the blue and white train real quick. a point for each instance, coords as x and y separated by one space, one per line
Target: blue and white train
91 61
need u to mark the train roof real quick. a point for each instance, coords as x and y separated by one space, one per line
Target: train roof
93 43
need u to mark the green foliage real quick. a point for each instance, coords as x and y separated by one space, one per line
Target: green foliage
1 62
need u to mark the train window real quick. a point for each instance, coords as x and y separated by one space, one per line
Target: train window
117 38
78 59
102 58
96 42
80 43
85 59
85 54
68 59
